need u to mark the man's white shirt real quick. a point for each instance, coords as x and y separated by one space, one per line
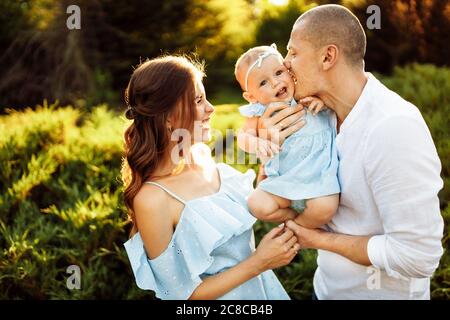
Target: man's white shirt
389 173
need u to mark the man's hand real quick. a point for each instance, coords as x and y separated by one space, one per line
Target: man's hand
307 238
353 248
280 126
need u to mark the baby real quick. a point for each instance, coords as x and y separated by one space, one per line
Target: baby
302 175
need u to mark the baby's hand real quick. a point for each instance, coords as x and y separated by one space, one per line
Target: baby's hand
266 149
315 105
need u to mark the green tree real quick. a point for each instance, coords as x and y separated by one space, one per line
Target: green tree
275 22
94 63
411 31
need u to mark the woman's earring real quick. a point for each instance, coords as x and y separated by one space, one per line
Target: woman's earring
169 128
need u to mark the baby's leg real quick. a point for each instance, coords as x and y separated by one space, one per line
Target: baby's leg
318 211
269 207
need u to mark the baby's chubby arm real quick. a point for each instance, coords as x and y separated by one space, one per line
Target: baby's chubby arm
249 141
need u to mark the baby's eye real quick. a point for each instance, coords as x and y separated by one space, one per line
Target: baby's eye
262 83
279 72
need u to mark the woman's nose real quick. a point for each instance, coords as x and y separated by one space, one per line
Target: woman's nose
209 107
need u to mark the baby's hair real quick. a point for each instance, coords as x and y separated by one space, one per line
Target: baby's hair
245 60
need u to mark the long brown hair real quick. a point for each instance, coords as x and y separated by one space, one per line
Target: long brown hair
158 88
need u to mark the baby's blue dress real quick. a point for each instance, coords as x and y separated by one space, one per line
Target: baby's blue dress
307 165
215 233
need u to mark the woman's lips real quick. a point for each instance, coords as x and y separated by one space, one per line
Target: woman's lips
205 123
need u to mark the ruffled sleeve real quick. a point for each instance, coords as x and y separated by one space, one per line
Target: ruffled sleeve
238 185
174 274
252 110
205 224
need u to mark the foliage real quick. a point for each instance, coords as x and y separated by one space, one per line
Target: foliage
275 23
411 31
61 203
43 59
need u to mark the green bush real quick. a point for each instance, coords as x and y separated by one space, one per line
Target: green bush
61 203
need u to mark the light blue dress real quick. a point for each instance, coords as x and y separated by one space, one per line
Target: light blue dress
307 165
214 233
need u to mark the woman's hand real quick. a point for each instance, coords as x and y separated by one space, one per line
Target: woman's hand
280 126
276 249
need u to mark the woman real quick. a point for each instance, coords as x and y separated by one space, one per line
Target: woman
193 236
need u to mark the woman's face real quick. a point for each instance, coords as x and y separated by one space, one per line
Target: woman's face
204 109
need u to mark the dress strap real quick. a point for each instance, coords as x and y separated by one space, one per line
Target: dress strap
166 190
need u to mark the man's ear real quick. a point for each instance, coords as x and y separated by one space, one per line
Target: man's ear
330 56
249 97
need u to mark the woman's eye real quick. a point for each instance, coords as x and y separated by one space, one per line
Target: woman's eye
262 83
279 72
199 100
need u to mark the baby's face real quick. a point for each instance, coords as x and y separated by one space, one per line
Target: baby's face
271 82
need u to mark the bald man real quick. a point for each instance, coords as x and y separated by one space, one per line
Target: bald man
384 242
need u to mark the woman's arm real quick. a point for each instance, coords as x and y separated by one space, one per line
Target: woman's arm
155 218
247 135
277 248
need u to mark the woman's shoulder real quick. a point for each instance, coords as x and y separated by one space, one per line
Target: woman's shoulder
149 191
155 217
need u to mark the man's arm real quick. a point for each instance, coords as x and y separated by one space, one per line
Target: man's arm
402 169
353 248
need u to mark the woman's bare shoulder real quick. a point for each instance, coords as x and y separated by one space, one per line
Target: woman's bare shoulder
154 218
149 199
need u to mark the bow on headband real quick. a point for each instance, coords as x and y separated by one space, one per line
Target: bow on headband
272 50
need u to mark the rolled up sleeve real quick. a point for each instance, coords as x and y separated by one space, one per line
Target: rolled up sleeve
403 171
